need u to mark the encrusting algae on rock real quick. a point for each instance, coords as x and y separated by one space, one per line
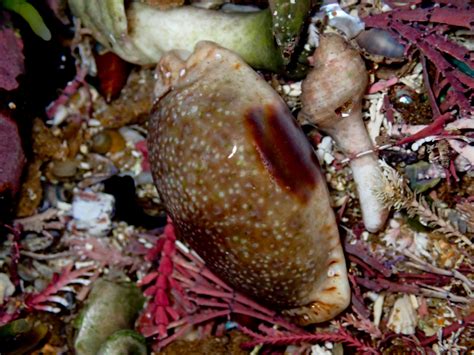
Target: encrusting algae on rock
243 186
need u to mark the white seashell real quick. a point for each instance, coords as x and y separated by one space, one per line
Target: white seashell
324 151
378 309
403 318
92 212
338 18
320 350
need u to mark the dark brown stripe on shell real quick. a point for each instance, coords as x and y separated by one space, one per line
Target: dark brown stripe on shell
284 150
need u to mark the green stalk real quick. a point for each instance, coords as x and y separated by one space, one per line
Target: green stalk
30 15
289 17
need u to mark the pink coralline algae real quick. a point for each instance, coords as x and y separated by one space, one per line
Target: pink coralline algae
11 59
12 158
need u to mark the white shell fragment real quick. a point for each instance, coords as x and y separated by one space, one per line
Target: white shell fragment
378 309
320 350
403 318
92 213
324 151
350 25
6 287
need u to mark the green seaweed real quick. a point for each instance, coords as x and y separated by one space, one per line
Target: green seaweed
462 66
124 342
289 18
111 306
30 15
417 183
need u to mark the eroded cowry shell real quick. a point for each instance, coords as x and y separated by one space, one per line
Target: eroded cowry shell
243 186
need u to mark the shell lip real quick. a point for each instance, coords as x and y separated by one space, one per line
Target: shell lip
284 150
316 312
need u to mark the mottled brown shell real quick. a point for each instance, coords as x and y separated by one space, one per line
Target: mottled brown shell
243 186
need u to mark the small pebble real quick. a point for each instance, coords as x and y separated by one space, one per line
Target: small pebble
64 169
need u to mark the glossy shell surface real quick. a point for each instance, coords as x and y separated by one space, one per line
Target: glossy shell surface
243 186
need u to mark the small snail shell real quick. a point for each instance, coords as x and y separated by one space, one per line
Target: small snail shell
380 42
243 186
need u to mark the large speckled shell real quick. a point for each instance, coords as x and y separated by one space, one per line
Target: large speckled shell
243 186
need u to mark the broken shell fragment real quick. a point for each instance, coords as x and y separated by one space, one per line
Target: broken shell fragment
243 186
7 288
336 17
92 213
403 318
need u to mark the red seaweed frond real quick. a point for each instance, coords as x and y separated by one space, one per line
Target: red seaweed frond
288 338
102 251
433 129
8 314
159 312
426 29
445 332
60 283
362 324
360 252
71 88
184 293
429 283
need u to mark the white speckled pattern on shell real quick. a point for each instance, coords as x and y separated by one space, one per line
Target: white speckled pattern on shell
242 186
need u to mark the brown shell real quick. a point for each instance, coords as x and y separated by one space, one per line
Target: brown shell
243 186
336 84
